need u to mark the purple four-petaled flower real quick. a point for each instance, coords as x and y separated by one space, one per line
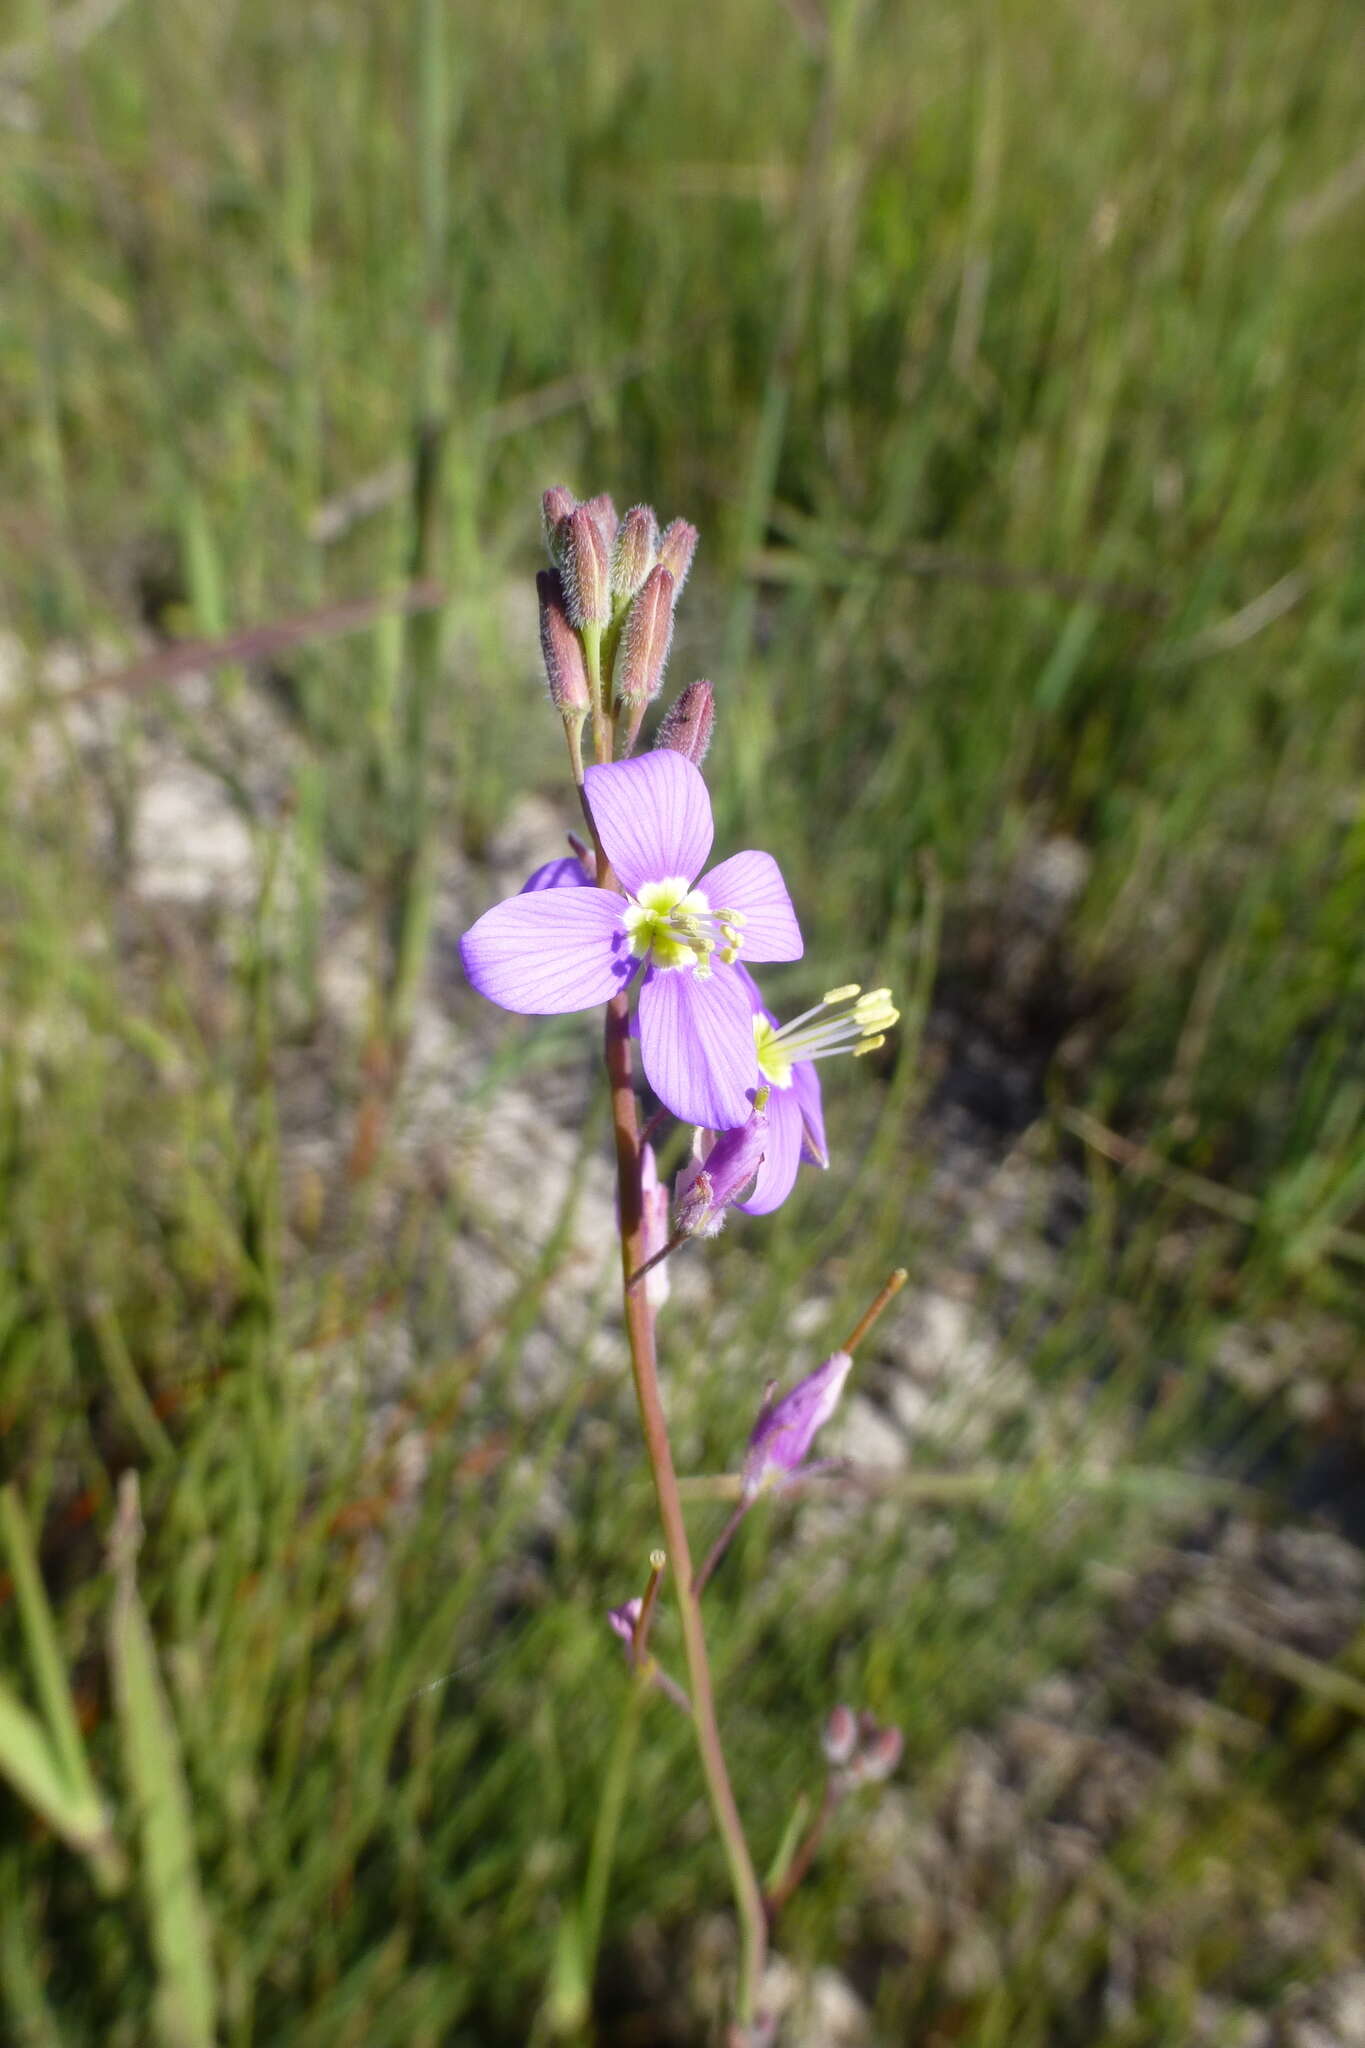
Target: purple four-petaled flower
554 949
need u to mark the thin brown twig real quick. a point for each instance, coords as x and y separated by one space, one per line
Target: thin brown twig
249 643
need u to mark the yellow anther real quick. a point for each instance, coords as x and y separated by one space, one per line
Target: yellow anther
844 995
868 1045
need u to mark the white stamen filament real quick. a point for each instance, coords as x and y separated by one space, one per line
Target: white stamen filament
845 1020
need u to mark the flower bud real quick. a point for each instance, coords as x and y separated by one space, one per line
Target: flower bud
555 507
634 551
785 1429
723 1176
688 723
676 550
839 1737
646 641
583 566
565 668
604 516
879 1757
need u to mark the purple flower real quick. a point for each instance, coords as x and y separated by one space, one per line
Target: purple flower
786 1429
844 1020
553 949
626 1619
719 1173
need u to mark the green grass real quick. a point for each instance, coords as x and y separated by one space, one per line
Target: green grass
1008 358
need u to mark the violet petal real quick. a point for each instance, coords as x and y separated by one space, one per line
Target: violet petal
549 952
697 1039
752 884
781 1157
806 1088
653 815
565 873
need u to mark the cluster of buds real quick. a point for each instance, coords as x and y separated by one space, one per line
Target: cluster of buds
859 1750
606 620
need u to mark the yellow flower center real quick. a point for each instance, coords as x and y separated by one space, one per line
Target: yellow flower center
671 924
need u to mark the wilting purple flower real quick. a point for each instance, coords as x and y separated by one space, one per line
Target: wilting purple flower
626 1619
552 950
720 1176
786 1429
844 1020
688 723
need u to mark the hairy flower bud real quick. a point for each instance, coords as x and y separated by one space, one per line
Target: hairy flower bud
785 1429
676 550
565 668
708 1187
646 641
604 516
688 723
583 567
839 1737
555 507
634 551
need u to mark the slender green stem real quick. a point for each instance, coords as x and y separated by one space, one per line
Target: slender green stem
601 717
611 1805
801 1862
644 1367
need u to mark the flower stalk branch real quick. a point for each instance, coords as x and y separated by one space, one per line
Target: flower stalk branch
644 1369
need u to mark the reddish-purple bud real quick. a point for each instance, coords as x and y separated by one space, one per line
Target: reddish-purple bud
839 1737
688 723
604 516
555 507
879 1757
634 551
565 669
676 550
583 568
646 641
707 1187
785 1429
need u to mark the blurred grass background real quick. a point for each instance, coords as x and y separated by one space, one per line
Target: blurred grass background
1009 358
